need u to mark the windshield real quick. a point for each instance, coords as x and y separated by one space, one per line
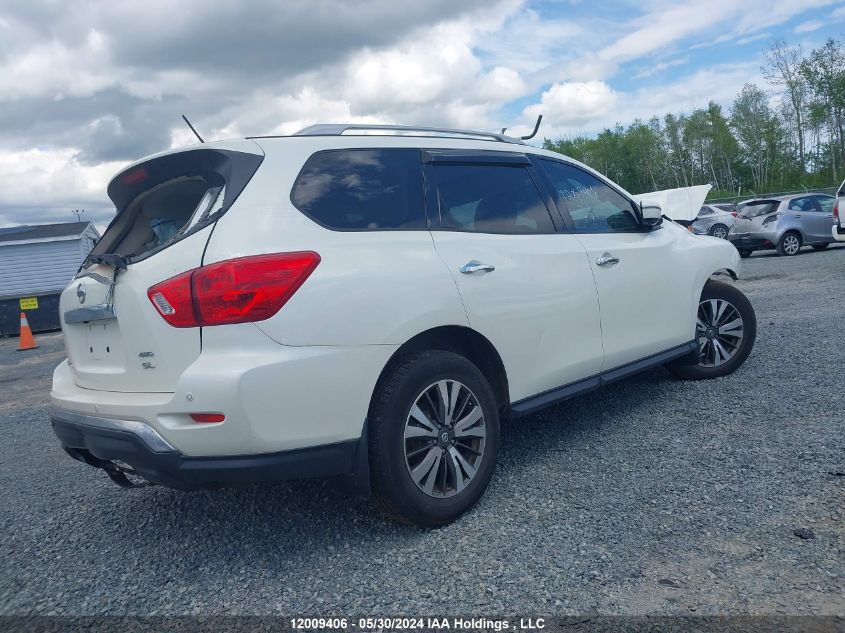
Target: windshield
756 208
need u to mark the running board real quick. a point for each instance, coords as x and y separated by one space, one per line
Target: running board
554 396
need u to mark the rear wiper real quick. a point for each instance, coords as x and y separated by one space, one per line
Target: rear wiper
118 262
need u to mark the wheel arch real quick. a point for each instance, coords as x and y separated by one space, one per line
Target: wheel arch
461 340
724 272
792 229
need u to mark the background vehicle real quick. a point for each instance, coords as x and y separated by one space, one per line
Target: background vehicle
785 223
712 220
365 306
730 207
839 214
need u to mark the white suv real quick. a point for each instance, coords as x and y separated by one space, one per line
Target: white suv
368 304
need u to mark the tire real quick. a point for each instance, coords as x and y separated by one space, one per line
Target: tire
719 230
789 244
820 247
744 253
400 442
710 362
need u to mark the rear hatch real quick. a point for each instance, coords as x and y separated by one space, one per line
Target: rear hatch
166 210
751 214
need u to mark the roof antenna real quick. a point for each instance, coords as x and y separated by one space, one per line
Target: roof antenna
524 138
202 141
503 130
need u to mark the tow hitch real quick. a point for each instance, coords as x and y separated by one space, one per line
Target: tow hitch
118 473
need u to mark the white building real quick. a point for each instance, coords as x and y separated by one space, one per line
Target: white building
36 263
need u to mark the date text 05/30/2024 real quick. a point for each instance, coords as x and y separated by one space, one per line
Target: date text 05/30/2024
415 624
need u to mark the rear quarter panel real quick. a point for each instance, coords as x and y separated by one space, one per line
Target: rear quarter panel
370 288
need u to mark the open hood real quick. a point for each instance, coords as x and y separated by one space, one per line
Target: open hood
682 204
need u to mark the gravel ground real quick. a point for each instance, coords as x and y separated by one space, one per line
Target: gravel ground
652 496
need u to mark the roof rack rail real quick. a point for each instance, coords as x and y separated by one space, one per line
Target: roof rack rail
337 129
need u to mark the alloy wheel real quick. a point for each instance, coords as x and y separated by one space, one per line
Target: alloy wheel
719 330
791 244
720 232
444 438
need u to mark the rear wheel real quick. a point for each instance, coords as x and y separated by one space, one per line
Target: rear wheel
820 247
433 438
719 230
725 330
789 244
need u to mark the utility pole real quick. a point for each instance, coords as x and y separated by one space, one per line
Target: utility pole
78 213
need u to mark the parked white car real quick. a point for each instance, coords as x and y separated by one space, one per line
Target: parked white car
370 305
711 220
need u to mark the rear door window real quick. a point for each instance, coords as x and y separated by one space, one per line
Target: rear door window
492 198
807 203
362 190
826 203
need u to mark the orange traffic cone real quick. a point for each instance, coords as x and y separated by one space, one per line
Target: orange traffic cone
26 341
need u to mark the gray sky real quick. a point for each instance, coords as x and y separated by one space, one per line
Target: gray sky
86 87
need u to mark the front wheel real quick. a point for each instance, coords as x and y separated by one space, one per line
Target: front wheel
725 330
433 438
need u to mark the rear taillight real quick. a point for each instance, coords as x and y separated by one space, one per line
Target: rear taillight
233 291
733 213
836 209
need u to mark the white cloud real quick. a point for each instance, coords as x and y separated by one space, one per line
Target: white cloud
45 185
808 26
573 104
584 108
661 66
105 81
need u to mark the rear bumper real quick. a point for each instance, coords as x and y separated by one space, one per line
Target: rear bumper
95 440
750 241
275 398
838 233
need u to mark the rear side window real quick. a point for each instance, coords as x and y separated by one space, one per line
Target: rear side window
490 199
362 189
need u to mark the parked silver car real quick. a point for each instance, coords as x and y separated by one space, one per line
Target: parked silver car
785 223
712 220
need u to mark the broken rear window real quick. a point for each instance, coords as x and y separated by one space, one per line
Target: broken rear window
757 208
164 199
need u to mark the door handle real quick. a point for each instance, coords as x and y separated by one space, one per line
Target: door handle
474 266
607 260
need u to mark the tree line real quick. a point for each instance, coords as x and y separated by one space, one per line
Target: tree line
753 147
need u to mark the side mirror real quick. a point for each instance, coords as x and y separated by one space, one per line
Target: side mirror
652 214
